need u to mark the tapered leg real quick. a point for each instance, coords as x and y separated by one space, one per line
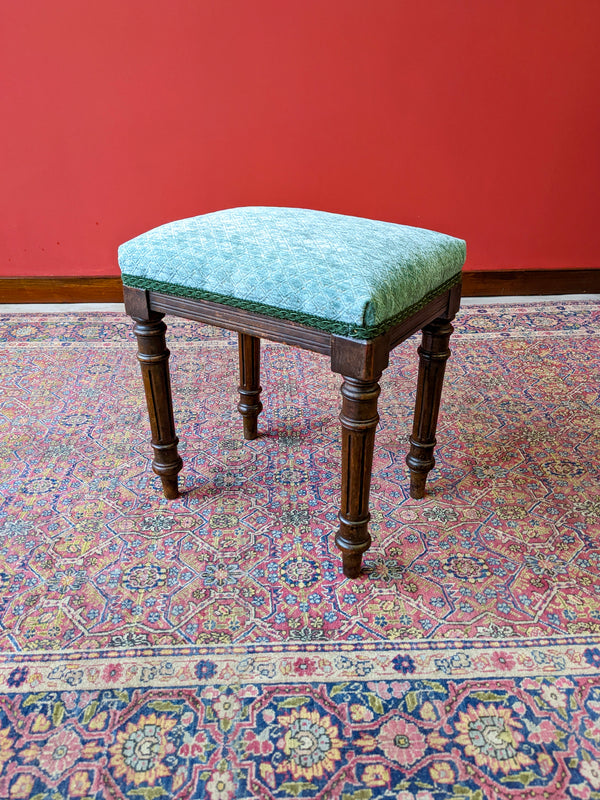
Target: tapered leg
249 388
154 362
359 420
433 354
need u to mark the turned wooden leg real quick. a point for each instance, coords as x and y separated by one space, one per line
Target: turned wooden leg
154 362
359 419
249 388
433 354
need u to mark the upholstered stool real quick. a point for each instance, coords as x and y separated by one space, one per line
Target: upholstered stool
348 287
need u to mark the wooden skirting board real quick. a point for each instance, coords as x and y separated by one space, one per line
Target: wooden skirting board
475 284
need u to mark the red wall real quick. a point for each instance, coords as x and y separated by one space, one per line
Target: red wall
480 118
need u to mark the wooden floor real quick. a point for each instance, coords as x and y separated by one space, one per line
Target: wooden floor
57 308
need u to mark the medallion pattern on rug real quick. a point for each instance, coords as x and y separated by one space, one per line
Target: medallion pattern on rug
399 739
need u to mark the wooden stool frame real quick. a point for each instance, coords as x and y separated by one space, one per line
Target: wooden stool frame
360 363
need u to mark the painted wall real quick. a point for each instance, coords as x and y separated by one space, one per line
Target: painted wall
480 118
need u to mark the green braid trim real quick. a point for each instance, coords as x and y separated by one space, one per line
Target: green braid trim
311 320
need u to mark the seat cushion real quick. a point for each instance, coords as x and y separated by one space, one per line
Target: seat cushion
347 275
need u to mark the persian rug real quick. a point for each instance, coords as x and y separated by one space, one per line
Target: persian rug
210 647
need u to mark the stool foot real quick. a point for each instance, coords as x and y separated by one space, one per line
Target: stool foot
170 488
352 564
433 354
249 388
417 484
359 420
153 356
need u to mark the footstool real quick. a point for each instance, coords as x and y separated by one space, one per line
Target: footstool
348 287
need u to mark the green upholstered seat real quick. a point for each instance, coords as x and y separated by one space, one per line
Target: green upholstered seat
347 275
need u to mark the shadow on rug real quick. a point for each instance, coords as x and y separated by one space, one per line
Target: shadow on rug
210 647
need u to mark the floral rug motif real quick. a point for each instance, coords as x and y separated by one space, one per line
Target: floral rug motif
210 647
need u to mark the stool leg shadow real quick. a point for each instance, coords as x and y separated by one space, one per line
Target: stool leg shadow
153 356
433 354
249 405
359 420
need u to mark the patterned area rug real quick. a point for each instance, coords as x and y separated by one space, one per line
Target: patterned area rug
210 647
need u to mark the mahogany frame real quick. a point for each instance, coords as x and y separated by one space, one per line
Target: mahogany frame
360 363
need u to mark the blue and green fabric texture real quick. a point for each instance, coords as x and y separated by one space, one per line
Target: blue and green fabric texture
346 275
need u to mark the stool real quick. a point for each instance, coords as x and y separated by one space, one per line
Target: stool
348 287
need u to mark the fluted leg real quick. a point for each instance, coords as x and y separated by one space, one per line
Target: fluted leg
154 362
433 354
359 420
249 388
